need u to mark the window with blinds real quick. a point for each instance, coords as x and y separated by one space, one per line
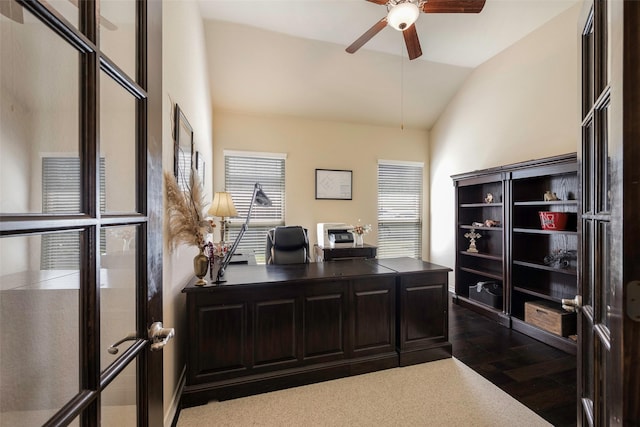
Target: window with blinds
242 172
399 209
61 194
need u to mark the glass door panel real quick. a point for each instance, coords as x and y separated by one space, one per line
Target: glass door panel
39 337
118 146
68 9
588 268
118 33
603 174
118 404
604 275
588 66
588 167
588 382
117 292
39 112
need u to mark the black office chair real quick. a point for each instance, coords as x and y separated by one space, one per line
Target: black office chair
287 245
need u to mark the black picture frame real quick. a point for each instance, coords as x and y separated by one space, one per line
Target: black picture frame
183 158
200 167
334 184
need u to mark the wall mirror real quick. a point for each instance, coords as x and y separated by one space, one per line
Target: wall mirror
183 149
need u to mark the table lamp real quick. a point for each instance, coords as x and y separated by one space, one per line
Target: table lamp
222 206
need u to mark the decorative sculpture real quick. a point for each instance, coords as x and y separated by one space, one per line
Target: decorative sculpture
472 236
550 197
488 198
560 258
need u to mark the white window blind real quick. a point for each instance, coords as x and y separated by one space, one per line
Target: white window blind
61 194
399 210
242 172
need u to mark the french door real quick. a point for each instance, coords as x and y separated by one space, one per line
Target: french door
609 292
80 213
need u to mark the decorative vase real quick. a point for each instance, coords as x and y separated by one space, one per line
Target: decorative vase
200 267
359 239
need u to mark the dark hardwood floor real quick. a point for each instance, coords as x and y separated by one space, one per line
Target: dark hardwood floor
541 377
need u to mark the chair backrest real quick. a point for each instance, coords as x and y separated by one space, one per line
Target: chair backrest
287 245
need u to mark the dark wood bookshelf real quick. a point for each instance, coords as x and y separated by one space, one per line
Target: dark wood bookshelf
513 254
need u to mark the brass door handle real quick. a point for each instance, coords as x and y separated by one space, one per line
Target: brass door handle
113 348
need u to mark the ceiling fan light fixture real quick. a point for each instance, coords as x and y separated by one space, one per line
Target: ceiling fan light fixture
403 15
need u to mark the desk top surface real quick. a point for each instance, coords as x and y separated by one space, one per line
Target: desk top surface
243 275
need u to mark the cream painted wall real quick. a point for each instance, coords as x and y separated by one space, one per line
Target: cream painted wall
185 82
312 144
517 106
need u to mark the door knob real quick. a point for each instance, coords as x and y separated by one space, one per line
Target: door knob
572 304
159 336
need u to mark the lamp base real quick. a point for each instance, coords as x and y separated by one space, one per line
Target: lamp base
216 270
223 231
219 277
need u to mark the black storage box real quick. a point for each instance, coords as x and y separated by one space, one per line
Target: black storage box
489 293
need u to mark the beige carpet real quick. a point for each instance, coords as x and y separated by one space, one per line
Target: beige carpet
441 393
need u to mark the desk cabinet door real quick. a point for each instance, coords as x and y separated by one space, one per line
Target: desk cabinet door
423 300
274 331
218 341
325 310
373 322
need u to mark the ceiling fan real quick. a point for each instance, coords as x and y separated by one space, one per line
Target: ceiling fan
402 15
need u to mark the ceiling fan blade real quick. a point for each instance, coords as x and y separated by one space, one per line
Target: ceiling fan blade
377 27
378 1
12 10
453 6
411 40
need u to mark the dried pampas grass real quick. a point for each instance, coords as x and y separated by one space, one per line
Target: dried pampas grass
185 222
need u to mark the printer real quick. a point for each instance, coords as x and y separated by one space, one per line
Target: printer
336 231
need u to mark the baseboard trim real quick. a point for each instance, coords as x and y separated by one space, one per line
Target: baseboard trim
414 357
173 413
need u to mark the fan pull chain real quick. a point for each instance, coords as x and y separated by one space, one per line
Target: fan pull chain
401 87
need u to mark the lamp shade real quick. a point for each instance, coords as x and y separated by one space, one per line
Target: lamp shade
222 205
403 15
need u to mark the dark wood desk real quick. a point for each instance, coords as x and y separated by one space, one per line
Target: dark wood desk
276 326
340 252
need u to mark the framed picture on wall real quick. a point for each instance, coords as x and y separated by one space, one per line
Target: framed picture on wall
183 149
332 184
200 167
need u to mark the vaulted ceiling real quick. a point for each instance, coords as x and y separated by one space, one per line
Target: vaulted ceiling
288 57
